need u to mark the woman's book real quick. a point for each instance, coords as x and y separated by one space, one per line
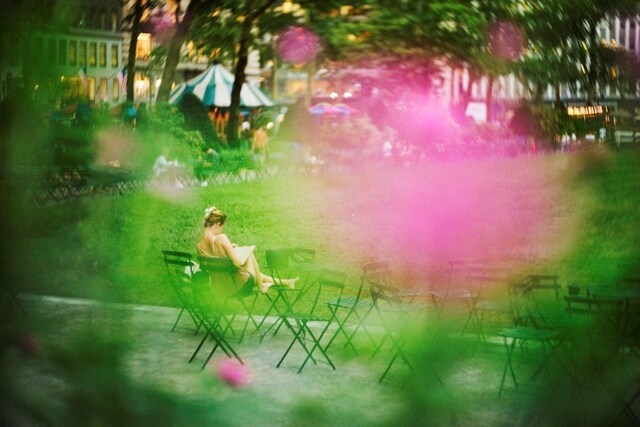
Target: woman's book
243 252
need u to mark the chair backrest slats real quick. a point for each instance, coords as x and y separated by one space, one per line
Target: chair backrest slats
217 264
383 292
329 282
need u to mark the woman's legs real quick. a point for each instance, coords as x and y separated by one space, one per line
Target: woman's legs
264 281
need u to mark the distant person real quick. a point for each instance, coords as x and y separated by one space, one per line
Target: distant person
246 130
212 156
259 142
215 243
166 170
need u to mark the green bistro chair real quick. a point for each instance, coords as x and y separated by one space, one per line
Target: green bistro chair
352 310
180 269
330 284
215 316
281 298
191 289
223 278
395 315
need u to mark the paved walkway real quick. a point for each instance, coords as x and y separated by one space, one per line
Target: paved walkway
350 395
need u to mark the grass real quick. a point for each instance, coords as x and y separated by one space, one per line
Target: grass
571 214
575 215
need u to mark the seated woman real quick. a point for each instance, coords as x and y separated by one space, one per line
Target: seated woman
215 243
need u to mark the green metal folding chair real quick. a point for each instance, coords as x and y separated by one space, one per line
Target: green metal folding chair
180 269
223 278
394 315
280 297
329 284
191 289
215 317
351 311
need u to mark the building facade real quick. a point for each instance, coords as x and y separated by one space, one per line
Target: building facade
69 60
616 32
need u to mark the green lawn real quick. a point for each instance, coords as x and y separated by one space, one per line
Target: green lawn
573 214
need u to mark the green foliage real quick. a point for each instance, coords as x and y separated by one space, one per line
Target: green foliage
73 147
261 119
166 129
196 118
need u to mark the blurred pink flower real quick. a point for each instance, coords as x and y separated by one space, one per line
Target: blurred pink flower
163 25
298 45
233 373
505 40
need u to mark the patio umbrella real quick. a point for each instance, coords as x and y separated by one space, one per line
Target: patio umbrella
326 109
322 108
344 109
213 87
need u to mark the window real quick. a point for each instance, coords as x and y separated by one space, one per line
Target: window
92 54
72 89
51 55
91 88
102 89
115 90
103 20
89 18
115 60
62 52
39 47
82 18
623 28
102 54
114 20
632 35
82 54
72 52
143 50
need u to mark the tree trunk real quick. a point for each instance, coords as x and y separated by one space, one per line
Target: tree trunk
175 45
133 46
465 96
489 99
557 95
537 97
239 73
238 80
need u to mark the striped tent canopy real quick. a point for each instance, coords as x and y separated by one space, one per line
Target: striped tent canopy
213 87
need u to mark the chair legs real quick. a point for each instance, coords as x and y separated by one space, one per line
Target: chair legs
300 334
398 352
214 332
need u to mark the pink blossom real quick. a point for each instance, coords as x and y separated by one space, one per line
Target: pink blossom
298 45
233 373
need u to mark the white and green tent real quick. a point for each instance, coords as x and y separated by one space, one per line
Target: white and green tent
213 87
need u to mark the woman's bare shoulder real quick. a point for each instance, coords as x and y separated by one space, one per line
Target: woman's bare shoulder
222 238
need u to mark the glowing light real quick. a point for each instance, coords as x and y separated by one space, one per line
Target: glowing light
270 125
347 94
333 95
286 7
